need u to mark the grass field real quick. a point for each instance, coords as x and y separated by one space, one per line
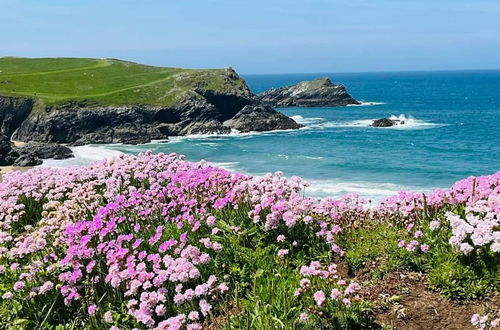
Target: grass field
106 81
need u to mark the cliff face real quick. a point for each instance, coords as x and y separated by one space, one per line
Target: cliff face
195 111
113 101
13 111
317 93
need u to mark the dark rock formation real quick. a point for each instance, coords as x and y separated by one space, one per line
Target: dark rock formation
27 160
8 153
13 111
89 125
45 150
386 122
30 154
198 109
317 93
260 118
200 113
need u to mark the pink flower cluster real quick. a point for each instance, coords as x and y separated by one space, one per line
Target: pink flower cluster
147 229
483 322
145 226
318 277
413 245
479 229
467 191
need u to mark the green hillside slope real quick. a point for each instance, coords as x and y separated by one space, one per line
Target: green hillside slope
107 81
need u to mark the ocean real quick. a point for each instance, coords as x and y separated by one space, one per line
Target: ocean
452 131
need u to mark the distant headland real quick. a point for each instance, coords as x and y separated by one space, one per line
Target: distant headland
80 101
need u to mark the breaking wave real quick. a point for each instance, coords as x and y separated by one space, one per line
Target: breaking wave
404 123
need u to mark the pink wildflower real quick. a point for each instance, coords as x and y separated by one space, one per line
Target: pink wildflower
283 252
205 307
7 295
108 317
319 297
335 294
92 310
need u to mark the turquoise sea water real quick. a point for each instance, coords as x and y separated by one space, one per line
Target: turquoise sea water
452 131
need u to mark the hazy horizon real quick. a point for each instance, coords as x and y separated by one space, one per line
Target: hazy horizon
261 37
281 73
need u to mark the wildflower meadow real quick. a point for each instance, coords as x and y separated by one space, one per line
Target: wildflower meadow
156 242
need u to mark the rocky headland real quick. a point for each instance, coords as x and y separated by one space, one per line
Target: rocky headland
155 104
198 109
316 93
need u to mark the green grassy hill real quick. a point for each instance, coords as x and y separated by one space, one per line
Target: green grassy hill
107 81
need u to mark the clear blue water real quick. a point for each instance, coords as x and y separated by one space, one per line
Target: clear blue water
452 131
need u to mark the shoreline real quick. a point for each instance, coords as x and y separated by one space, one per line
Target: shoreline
6 169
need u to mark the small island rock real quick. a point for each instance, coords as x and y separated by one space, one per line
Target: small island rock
386 122
316 93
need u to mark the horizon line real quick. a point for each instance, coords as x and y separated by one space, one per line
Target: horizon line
261 73
376 71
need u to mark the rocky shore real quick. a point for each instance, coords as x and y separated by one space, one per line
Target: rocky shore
197 111
31 153
200 102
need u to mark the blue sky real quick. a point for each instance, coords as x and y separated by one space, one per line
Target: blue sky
255 36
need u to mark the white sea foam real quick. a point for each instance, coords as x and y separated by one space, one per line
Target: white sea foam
84 155
304 121
208 144
283 156
412 123
310 157
405 123
233 134
230 166
365 104
369 190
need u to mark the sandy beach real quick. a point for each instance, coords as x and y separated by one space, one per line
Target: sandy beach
5 169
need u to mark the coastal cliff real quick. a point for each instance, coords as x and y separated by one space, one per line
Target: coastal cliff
79 124
316 93
129 103
13 111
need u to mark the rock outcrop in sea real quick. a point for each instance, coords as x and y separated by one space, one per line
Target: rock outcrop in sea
316 93
387 122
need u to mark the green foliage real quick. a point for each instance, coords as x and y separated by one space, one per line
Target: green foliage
263 283
63 81
32 213
465 278
456 276
371 244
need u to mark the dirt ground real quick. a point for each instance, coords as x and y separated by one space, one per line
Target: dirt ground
406 302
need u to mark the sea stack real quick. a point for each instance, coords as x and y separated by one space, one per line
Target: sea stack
321 92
